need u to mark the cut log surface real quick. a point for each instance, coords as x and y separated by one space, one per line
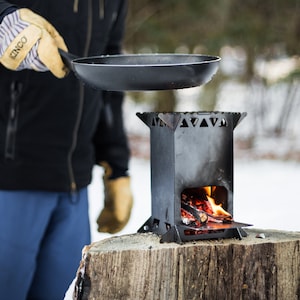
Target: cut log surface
263 265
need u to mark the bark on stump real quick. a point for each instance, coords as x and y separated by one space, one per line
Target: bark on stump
138 266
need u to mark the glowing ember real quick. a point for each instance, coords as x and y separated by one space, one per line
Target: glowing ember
198 207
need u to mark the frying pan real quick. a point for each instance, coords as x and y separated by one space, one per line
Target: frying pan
137 72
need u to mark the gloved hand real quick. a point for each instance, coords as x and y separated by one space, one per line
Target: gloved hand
28 41
117 203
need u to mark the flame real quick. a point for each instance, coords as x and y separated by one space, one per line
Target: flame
217 208
209 189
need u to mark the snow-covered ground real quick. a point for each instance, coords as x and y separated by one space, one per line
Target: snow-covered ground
265 191
265 195
140 183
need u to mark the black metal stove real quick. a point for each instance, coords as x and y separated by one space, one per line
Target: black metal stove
191 158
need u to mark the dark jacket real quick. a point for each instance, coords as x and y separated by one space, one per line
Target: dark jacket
51 130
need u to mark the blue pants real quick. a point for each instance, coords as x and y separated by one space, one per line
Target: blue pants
41 238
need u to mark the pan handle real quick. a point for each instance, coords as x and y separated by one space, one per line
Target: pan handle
67 58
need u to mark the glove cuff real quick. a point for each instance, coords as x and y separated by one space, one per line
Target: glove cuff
20 47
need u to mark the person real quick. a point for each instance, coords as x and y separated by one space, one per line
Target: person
53 131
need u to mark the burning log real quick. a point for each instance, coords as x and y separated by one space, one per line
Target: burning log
138 266
191 214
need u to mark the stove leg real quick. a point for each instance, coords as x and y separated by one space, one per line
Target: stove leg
172 235
240 233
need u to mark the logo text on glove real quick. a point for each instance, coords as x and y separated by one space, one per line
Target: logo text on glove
18 47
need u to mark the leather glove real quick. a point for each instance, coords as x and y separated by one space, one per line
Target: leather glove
118 203
28 41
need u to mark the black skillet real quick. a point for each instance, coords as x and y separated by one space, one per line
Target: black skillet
137 72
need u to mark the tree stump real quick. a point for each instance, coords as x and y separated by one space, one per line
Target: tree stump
263 265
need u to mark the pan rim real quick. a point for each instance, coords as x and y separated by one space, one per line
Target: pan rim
90 60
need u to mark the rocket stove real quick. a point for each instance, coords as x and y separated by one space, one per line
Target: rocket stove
192 175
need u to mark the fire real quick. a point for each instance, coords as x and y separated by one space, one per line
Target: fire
217 208
209 189
198 206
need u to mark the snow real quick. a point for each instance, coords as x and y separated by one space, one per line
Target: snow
265 195
277 69
265 191
140 184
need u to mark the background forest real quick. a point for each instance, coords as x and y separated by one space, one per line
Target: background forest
258 42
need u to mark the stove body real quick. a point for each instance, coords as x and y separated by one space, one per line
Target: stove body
189 151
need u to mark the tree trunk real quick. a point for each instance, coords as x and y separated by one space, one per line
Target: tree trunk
138 266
